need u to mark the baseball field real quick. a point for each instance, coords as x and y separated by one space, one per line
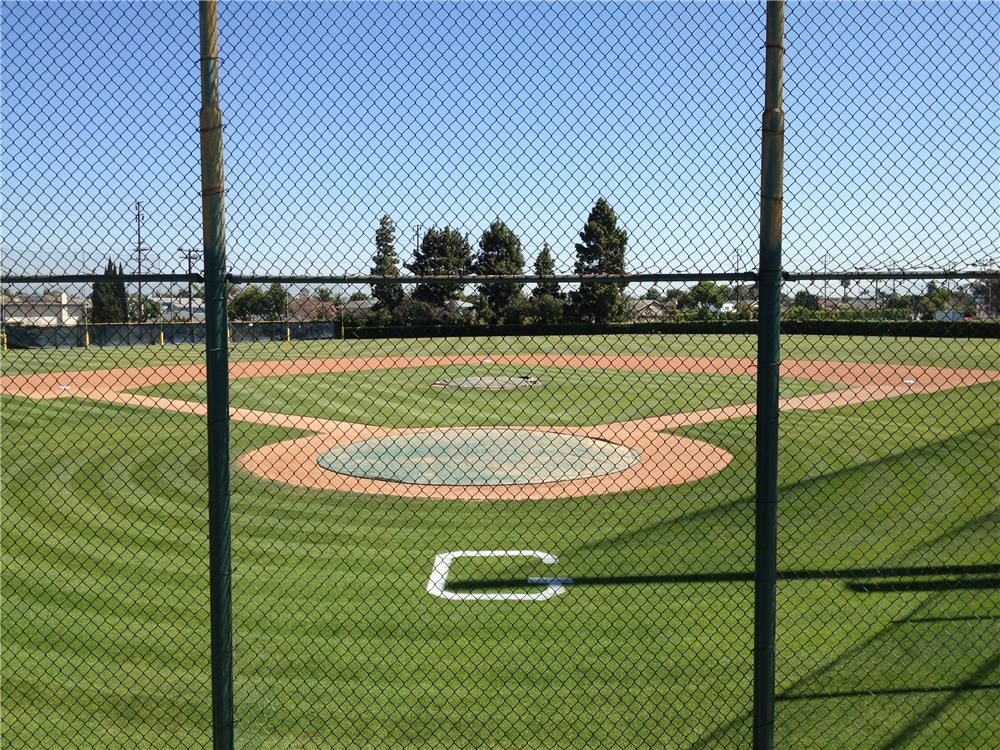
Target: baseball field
615 608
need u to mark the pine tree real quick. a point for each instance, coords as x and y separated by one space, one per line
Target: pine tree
385 262
544 266
443 252
500 254
602 251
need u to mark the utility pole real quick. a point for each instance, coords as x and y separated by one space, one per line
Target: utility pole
738 283
826 280
139 250
190 256
418 232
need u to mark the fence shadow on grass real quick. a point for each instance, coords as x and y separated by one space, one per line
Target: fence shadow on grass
845 574
972 682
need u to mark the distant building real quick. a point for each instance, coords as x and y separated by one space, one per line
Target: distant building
358 308
952 316
646 310
42 310
177 309
310 308
832 304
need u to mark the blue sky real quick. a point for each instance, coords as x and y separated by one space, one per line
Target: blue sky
455 114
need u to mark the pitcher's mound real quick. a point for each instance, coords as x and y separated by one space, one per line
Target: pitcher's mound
480 456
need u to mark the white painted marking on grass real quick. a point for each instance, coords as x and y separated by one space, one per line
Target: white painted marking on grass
437 583
909 382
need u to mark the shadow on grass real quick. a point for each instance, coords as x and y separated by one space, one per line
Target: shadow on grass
884 587
962 688
956 618
912 728
825 672
785 575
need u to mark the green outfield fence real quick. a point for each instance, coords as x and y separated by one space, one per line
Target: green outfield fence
512 375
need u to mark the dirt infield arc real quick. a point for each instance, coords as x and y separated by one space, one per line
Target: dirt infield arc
666 459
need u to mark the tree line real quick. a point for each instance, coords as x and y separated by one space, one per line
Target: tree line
442 252
447 252
500 252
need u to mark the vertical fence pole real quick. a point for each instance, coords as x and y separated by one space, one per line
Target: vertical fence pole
217 376
768 359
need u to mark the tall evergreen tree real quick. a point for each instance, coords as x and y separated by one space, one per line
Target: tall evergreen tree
385 262
101 295
601 251
120 296
500 254
443 252
108 299
544 266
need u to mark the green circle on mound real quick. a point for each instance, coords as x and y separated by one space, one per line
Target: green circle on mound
479 456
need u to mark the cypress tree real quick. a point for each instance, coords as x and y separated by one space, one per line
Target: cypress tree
101 296
601 251
108 299
120 298
385 262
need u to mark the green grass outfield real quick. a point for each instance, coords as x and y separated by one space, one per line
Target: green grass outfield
337 644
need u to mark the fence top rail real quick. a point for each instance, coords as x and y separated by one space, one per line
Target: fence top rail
987 273
749 276
488 278
634 278
83 278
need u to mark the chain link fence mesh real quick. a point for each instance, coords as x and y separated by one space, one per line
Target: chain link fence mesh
515 511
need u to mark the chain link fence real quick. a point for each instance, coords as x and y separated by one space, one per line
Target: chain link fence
494 312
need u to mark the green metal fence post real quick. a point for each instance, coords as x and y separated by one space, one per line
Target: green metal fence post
768 360
217 377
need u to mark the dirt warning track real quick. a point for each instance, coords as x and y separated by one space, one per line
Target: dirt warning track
666 459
